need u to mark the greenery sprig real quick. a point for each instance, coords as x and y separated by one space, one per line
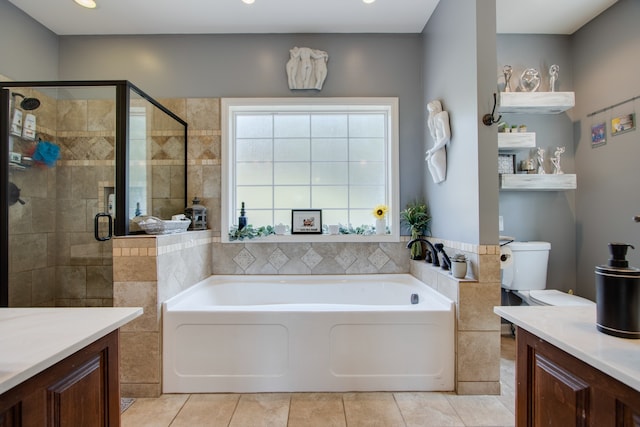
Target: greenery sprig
248 232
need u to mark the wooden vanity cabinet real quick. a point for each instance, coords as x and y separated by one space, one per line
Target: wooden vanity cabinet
554 388
81 390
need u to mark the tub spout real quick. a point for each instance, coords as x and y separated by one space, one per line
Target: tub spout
446 262
432 254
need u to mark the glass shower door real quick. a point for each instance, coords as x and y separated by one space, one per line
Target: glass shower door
62 165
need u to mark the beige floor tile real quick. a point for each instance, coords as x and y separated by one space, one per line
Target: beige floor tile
153 412
481 410
427 410
262 410
207 410
316 410
372 409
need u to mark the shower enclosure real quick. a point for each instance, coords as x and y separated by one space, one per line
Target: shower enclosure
81 160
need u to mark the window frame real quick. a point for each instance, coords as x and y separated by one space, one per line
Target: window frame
229 106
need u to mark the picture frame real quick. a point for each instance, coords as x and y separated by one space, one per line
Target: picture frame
622 124
306 221
598 134
506 164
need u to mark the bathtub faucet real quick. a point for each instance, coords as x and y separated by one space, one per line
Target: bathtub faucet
432 254
446 262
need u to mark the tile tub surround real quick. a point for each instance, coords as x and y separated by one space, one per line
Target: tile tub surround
477 327
147 271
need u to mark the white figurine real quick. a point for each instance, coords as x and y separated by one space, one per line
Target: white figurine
507 70
556 161
306 68
438 123
553 76
541 161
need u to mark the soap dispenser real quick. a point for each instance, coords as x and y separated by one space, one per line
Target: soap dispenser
618 295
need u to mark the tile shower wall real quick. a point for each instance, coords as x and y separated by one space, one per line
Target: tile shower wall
55 261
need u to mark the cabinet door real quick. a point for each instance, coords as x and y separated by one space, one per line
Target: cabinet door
77 399
559 397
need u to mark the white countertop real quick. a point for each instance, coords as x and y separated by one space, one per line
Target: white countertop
33 339
573 329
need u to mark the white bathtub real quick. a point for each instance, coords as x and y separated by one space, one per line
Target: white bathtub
308 333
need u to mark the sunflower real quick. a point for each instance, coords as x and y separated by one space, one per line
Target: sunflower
380 211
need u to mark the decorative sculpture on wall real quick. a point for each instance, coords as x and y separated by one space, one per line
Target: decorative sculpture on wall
553 77
306 68
556 161
438 123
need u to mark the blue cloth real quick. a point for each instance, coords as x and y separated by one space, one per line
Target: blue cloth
46 153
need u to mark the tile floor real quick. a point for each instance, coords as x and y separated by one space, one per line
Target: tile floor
384 409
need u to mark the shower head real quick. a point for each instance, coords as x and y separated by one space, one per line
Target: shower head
27 103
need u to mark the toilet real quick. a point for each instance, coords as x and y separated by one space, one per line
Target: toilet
526 276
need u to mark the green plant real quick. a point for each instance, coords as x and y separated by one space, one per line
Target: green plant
417 217
248 232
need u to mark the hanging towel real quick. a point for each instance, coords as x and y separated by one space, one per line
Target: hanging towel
46 153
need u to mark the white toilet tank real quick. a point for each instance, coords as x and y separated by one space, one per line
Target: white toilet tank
529 268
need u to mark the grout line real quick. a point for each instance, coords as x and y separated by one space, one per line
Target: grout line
178 412
235 408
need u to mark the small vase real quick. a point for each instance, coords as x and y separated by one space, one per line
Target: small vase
459 269
381 226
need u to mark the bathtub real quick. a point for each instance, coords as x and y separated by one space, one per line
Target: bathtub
308 333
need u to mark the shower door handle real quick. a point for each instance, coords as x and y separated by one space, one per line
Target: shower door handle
96 231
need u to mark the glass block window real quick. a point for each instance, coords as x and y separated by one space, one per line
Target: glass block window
334 154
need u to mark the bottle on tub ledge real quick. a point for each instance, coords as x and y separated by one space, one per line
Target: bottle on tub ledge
242 219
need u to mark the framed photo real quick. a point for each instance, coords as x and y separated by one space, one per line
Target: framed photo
598 134
623 124
506 164
306 221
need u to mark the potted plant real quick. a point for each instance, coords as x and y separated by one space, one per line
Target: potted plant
417 217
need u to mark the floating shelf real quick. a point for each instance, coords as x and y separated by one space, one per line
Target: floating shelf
516 140
536 182
536 102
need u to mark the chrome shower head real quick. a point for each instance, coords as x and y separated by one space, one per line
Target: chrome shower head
27 103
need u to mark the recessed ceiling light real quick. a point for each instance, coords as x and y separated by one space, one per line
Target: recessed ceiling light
248 1
89 4
368 1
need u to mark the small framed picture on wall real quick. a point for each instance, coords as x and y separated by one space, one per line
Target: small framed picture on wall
623 124
306 221
598 134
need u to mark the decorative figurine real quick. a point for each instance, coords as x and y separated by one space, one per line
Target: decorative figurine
541 161
553 76
438 123
530 80
507 70
556 161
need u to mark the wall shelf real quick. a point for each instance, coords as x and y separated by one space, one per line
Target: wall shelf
516 140
538 182
536 102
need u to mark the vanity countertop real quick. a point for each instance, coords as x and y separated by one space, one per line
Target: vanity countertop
33 339
573 330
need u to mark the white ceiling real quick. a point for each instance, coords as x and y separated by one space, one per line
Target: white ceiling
64 17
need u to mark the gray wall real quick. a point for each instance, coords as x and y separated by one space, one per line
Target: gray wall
254 66
28 50
538 215
607 71
459 62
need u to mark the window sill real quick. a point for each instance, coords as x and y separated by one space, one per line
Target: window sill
318 238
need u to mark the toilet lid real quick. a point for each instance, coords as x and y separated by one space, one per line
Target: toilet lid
555 297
